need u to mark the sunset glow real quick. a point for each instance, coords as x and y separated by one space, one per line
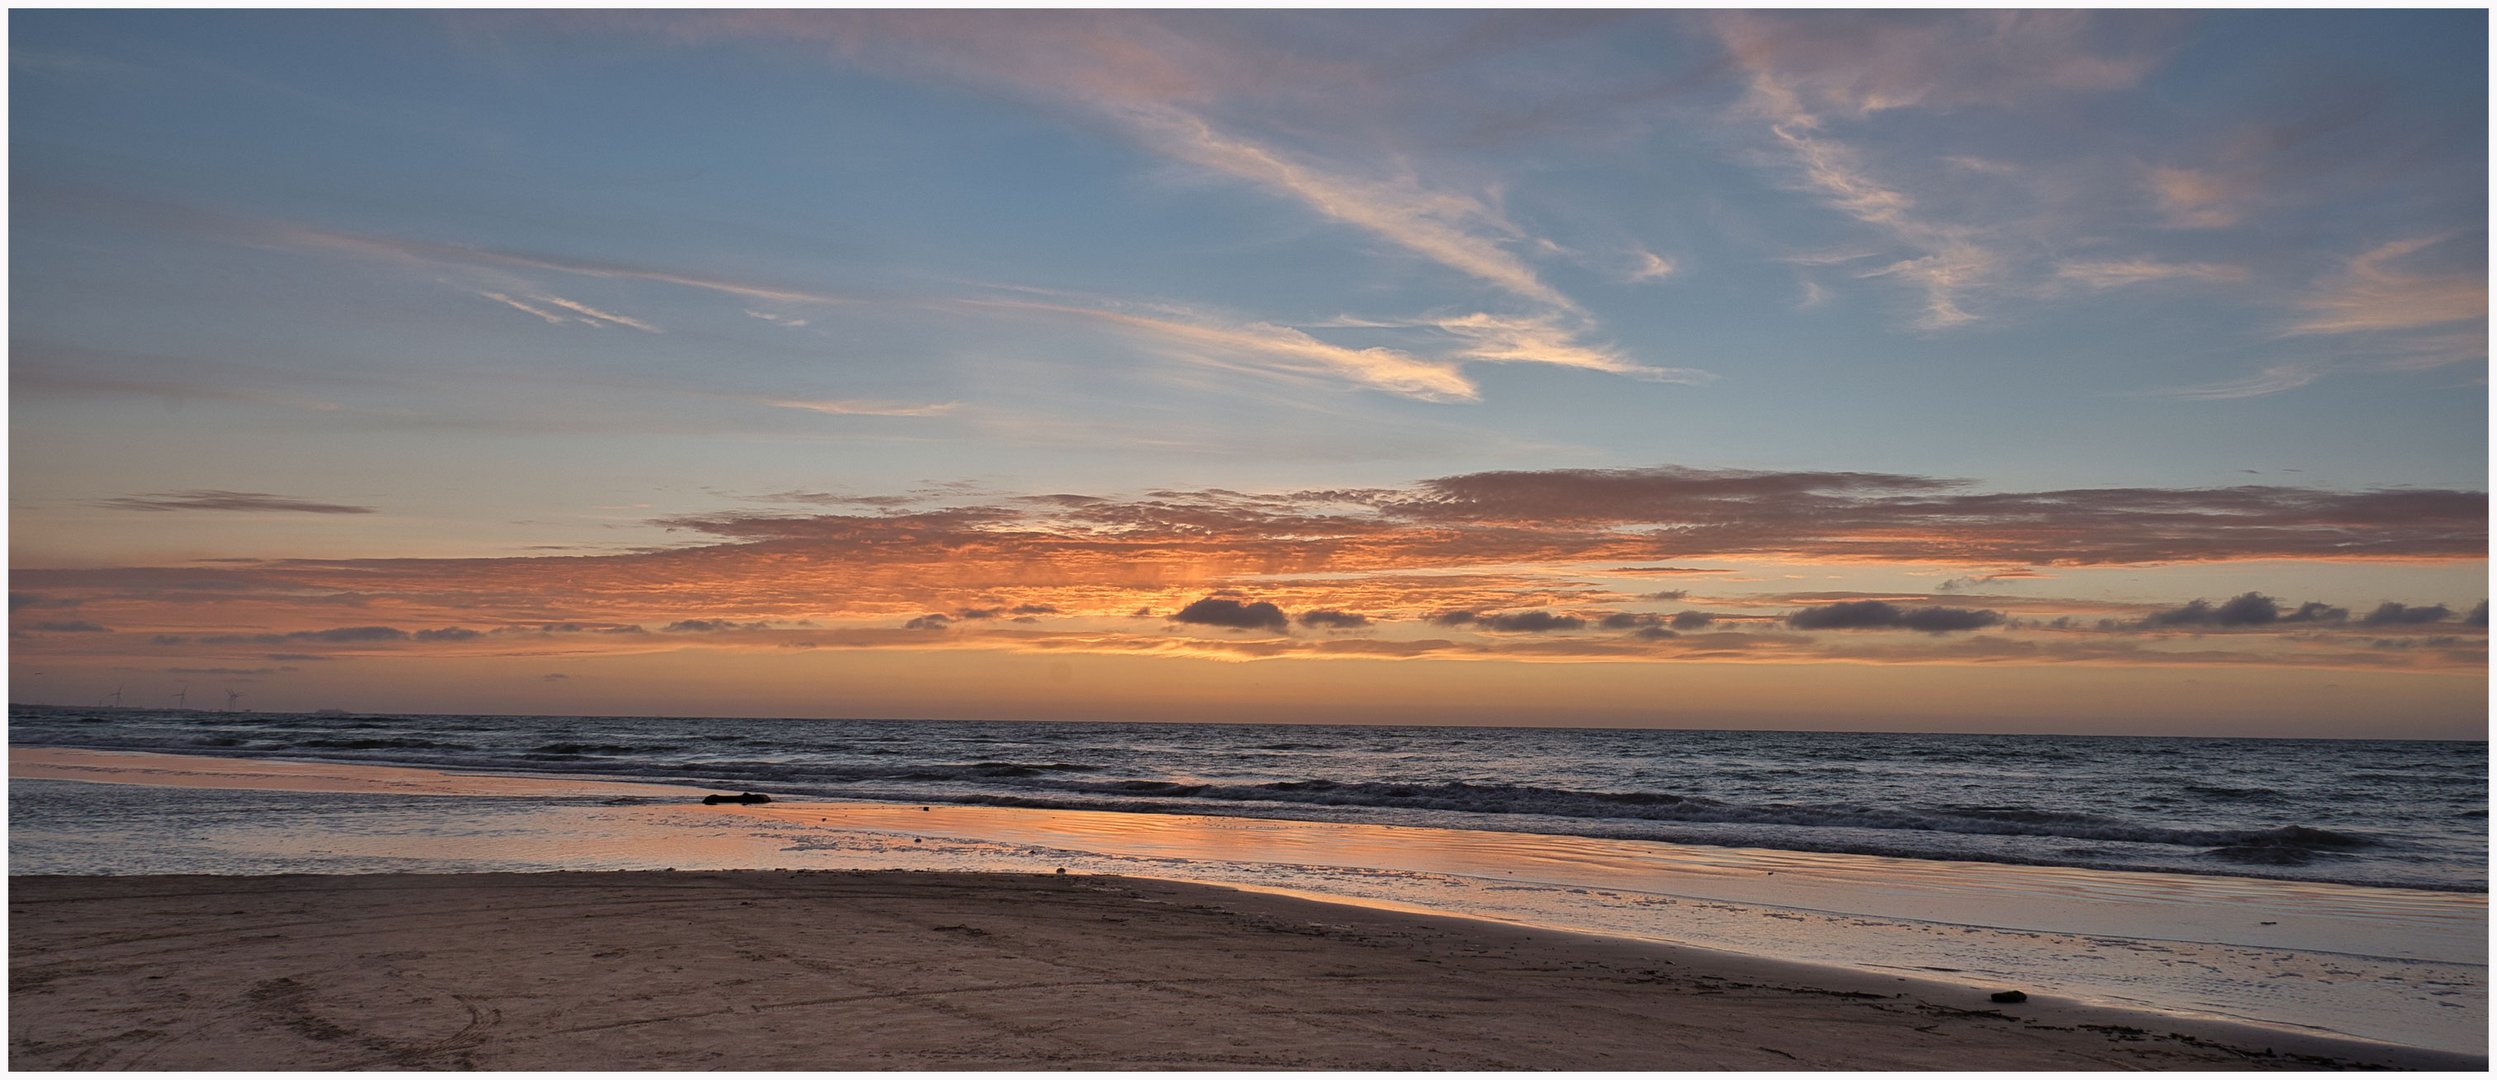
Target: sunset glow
2112 372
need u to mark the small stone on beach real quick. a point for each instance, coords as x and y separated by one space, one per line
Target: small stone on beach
2009 997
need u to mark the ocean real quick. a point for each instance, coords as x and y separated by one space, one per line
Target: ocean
2401 814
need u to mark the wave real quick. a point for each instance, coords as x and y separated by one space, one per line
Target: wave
2289 845
1515 799
2262 809
378 743
574 749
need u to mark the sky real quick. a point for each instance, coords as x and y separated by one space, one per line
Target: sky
2079 371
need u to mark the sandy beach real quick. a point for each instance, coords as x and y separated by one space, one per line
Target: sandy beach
918 970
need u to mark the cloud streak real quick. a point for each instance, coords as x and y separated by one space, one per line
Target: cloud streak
1453 230
1275 349
252 502
2375 292
2115 274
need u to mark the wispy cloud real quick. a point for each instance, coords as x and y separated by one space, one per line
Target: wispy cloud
580 313
2373 293
230 501
1867 62
1952 261
283 234
307 238
2199 198
1652 267
1810 74
2117 273
1271 349
1455 230
595 317
1178 92
2270 380
1546 339
517 305
2411 320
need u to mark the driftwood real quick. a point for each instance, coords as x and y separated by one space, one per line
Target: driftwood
748 798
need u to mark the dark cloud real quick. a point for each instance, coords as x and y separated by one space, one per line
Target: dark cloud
1692 620
19 601
1019 611
226 670
1221 611
2393 614
286 656
1645 626
1882 615
2478 615
2441 641
2245 609
1963 584
2317 611
448 633
344 635
70 626
2251 609
569 628
1532 622
930 621
1334 620
555 677
250 501
701 626
2248 609
1668 594
1453 618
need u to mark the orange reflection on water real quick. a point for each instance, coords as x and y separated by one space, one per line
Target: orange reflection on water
177 770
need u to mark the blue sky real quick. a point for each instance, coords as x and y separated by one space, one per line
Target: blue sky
521 285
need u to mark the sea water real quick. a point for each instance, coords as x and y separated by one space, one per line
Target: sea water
2370 812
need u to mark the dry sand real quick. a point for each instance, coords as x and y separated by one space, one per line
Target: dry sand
911 970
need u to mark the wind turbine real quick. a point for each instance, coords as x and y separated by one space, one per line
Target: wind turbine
115 696
232 696
182 697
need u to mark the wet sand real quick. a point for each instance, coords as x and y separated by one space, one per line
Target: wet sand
916 970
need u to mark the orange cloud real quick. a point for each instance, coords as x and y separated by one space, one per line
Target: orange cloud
1543 566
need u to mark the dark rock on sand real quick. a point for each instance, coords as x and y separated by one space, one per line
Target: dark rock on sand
747 797
2009 997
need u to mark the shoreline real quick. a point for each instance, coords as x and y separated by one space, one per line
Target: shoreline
915 969
2339 961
